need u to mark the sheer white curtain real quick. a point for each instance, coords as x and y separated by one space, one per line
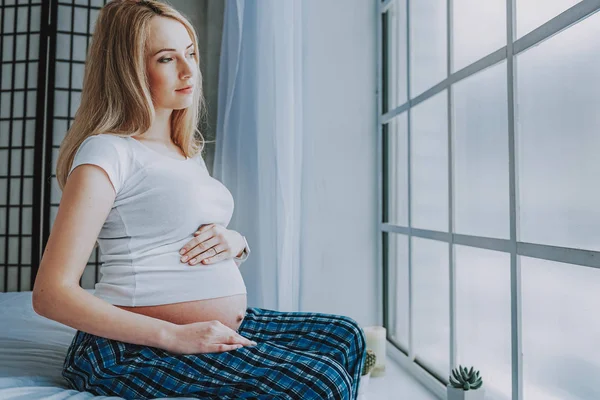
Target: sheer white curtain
259 143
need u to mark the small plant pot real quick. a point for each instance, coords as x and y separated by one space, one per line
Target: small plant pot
460 394
363 384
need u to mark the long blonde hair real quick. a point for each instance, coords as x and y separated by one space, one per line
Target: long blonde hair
115 97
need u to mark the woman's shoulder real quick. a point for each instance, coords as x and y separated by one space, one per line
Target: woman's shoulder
108 151
106 145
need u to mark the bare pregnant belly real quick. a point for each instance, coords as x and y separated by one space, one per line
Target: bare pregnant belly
230 310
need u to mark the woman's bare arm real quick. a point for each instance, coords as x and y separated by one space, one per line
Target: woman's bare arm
88 197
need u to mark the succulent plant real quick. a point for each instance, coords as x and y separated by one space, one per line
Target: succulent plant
465 378
369 362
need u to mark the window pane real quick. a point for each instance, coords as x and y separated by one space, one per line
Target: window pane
479 28
483 316
429 180
428 44
481 183
558 140
398 290
533 13
431 308
561 327
397 170
396 54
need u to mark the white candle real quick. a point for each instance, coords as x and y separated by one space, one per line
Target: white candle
376 340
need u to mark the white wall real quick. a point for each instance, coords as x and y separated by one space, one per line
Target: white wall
339 257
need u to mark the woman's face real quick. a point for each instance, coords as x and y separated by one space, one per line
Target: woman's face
170 64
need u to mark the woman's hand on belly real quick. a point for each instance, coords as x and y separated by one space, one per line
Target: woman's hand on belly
204 337
212 243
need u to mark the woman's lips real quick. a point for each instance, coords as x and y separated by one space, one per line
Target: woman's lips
187 90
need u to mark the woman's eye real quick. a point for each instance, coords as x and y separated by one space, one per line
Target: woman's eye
162 60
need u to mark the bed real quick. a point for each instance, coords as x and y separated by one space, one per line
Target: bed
32 351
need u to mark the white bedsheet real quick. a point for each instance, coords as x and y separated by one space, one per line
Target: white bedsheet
32 351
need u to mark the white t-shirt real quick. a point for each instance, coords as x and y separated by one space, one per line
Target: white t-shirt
160 202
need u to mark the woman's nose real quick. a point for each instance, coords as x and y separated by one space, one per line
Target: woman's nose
187 71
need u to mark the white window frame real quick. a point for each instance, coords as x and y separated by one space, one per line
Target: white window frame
512 246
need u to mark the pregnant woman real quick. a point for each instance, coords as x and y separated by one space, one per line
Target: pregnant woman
169 316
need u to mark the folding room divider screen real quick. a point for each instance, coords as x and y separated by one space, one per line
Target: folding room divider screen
43 48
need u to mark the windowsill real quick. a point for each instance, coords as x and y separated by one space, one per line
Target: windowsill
397 383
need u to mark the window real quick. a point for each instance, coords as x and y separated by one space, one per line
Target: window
489 208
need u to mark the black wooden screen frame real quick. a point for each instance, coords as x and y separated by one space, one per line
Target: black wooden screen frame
44 147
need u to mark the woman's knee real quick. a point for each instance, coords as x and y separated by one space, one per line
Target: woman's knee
355 332
332 383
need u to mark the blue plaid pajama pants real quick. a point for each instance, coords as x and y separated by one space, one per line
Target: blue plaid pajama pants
300 355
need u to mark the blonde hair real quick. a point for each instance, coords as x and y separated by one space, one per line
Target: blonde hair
115 97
